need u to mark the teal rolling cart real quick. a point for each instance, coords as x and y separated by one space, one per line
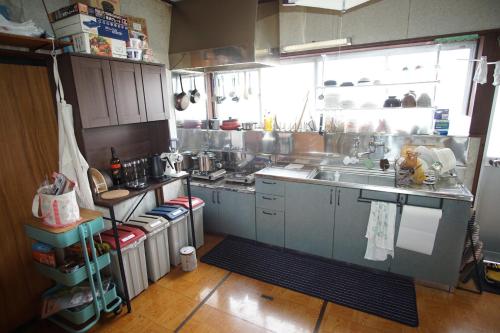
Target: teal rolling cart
106 301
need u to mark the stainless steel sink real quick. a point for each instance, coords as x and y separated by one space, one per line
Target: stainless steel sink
356 176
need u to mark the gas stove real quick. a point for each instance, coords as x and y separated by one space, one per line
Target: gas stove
212 176
240 178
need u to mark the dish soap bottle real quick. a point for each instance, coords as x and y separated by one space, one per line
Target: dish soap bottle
268 122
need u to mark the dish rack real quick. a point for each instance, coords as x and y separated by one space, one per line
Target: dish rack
84 318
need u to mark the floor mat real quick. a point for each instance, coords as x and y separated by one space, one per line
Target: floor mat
380 293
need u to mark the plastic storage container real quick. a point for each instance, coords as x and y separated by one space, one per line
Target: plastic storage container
177 232
156 244
198 205
134 258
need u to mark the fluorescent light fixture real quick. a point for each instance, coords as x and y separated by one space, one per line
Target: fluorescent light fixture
339 5
326 44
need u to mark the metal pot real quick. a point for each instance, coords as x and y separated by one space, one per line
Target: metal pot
248 126
206 161
188 163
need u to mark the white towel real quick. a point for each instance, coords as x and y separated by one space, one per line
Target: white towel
496 74
481 74
380 231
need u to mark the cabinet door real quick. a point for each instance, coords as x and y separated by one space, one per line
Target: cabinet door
309 214
155 92
443 265
129 93
211 209
351 220
94 86
237 213
270 226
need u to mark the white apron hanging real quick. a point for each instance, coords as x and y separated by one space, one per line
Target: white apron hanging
71 161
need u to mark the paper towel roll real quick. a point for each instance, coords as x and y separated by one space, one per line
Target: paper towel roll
418 228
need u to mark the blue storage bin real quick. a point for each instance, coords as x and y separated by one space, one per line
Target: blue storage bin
63 239
71 279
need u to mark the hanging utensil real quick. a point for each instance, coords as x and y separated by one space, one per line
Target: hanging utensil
194 95
322 95
181 99
235 91
245 85
221 97
232 93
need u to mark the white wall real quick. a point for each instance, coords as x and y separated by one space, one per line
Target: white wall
389 20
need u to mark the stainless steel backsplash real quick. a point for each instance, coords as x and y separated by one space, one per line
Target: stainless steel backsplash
312 148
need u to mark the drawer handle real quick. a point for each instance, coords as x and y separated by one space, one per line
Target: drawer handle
267 213
213 196
268 183
268 198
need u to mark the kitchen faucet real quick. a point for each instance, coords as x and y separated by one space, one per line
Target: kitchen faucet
373 144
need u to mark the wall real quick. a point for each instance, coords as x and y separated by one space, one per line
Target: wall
386 20
156 13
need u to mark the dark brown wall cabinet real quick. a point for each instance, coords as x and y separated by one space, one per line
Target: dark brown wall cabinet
114 92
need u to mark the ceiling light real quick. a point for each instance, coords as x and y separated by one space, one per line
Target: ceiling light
327 44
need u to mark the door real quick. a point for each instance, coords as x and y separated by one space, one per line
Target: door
94 86
237 213
211 209
155 92
129 93
28 137
309 215
488 190
351 220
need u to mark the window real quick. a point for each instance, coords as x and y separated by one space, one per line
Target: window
493 149
438 73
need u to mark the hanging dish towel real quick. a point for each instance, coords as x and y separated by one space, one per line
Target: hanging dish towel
496 74
380 231
481 74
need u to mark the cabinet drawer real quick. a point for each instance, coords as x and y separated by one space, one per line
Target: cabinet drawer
270 201
377 195
270 186
270 227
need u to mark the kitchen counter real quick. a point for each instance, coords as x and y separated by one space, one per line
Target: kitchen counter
223 184
445 189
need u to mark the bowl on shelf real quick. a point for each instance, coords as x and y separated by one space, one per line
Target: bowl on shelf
424 101
392 102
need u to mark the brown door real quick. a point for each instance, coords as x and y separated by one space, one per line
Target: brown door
29 151
155 92
94 87
129 94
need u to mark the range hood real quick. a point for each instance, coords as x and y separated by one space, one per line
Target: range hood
223 35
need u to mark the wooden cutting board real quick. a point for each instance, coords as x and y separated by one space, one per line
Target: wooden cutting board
115 194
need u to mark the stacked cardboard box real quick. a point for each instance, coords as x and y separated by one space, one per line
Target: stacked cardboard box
92 30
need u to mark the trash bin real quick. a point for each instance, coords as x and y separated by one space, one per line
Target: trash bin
188 258
198 205
134 259
177 231
156 244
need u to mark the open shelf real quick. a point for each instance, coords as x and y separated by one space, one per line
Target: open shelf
31 43
371 85
398 109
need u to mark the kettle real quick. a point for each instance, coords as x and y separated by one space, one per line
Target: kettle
157 166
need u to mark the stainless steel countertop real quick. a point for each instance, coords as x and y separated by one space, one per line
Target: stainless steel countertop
440 190
223 185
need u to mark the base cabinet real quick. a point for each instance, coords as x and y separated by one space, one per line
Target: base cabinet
443 265
227 212
351 220
270 225
309 215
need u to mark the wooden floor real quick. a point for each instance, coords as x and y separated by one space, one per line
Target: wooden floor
214 300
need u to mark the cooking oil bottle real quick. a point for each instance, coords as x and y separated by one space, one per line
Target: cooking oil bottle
268 122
